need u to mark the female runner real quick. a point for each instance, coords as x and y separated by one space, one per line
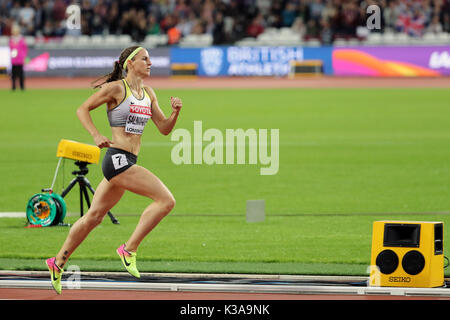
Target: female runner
130 104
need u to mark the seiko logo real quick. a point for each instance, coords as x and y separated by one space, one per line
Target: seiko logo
400 279
81 154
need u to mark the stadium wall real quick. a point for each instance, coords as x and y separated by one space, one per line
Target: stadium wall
226 61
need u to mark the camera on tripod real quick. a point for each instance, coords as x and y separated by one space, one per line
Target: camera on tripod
49 209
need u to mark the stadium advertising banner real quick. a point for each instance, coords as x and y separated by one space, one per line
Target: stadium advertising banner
393 61
81 62
249 61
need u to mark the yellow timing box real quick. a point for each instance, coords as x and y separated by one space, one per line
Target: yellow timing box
184 66
78 151
185 70
305 68
407 254
317 63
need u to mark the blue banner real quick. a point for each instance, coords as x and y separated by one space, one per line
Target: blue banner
249 61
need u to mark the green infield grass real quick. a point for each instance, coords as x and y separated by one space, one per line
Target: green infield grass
347 157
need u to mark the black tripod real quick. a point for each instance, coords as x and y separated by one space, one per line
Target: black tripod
83 182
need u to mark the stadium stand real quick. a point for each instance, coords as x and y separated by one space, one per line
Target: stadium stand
197 23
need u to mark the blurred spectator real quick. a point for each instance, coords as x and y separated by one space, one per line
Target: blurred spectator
326 34
274 21
182 9
15 11
303 11
312 29
238 31
48 30
445 16
198 27
316 8
167 22
100 11
185 25
140 30
288 14
329 12
435 25
170 27
446 24
276 8
349 18
5 10
153 25
403 20
174 35
39 17
87 17
274 17
209 24
298 27
219 35
226 20
263 6
390 15
26 18
411 21
228 28
6 26
426 9
256 27
59 10
126 22
112 18
18 50
417 23
207 10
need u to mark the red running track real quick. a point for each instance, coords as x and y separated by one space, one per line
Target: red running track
244 82
81 294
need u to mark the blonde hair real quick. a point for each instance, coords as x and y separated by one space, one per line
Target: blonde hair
15 29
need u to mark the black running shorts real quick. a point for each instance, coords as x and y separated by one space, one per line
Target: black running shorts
117 161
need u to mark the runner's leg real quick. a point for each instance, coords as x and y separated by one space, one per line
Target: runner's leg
141 181
105 197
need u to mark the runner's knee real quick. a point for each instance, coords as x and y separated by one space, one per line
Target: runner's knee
94 218
167 203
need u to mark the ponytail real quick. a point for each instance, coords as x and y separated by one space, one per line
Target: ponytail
117 73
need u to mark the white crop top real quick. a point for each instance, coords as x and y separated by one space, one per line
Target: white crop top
131 113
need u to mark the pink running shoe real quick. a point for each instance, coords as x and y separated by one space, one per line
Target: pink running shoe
128 260
55 274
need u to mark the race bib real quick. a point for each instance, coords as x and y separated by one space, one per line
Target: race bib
119 160
137 119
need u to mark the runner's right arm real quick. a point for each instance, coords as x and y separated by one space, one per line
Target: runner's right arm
109 94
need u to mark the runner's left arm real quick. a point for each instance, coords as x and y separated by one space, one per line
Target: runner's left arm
164 124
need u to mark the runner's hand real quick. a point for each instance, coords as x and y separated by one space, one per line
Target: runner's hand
102 141
176 104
